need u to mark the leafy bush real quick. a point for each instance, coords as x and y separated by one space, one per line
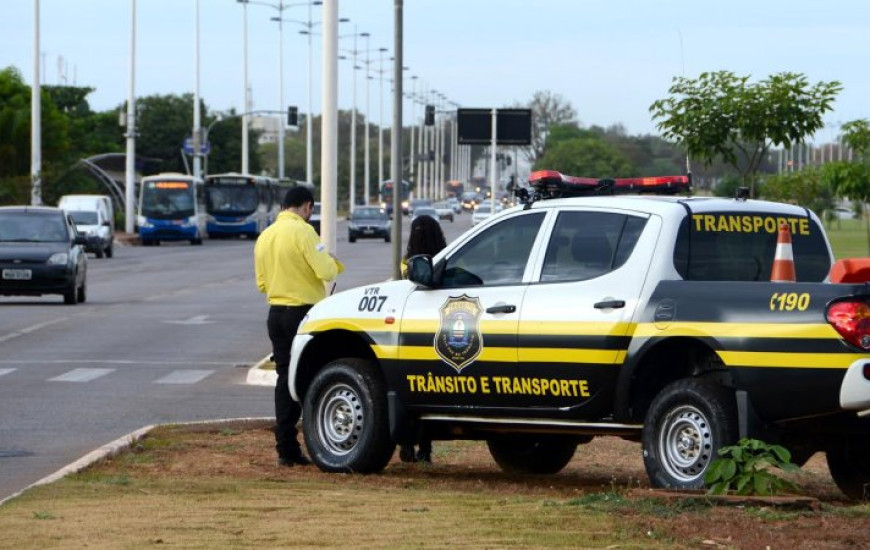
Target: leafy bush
746 469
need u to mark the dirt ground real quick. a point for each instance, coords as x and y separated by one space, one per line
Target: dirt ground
602 472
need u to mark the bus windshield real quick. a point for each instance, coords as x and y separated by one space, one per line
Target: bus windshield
168 200
231 200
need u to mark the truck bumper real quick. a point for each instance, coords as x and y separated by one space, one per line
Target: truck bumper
855 389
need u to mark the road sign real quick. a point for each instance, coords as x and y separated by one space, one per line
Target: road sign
204 149
514 127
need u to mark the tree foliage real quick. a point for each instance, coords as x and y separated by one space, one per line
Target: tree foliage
808 187
586 156
852 179
722 115
548 110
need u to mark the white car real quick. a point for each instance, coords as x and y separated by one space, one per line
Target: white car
483 211
444 210
425 211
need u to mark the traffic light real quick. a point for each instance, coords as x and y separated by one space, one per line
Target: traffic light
430 116
292 116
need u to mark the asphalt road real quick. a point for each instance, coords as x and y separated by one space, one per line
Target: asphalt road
167 335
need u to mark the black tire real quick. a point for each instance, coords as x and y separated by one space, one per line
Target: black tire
70 296
99 254
351 238
388 239
82 293
110 251
849 463
147 242
686 425
533 454
345 420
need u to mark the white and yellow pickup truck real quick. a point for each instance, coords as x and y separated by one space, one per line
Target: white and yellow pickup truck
648 317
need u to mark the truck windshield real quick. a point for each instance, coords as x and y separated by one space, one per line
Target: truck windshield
740 246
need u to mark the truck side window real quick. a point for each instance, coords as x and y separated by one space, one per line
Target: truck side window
585 245
496 256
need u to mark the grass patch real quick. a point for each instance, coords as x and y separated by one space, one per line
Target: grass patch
201 486
848 238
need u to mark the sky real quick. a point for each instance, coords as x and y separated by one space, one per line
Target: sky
609 58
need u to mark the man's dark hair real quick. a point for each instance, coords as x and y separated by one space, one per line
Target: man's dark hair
297 196
426 237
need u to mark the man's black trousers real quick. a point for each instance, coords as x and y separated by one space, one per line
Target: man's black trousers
282 324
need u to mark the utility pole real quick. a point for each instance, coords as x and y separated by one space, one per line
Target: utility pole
130 168
396 144
36 118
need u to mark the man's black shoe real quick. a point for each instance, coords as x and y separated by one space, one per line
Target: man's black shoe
287 461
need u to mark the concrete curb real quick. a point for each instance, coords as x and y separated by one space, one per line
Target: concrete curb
118 445
258 376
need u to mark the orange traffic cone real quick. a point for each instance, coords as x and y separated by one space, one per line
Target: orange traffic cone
783 261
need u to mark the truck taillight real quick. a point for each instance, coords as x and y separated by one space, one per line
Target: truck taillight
852 320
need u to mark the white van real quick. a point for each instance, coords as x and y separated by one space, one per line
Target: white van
94 217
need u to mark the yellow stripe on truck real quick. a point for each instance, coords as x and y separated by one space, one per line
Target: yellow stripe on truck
789 360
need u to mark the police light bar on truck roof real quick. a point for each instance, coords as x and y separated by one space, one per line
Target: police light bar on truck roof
550 184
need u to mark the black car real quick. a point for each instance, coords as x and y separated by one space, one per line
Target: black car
41 253
368 222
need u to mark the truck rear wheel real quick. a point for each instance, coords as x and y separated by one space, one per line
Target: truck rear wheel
849 463
533 454
345 418
686 425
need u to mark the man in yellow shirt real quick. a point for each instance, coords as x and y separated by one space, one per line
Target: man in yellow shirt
292 267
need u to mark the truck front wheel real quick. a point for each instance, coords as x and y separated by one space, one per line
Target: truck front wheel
345 419
539 454
849 463
686 425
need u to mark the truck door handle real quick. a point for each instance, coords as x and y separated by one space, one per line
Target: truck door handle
610 304
504 308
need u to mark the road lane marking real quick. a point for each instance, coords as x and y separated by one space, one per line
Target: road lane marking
5 371
81 375
32 328
186 376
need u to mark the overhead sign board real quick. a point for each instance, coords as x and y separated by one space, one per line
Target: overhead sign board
513 126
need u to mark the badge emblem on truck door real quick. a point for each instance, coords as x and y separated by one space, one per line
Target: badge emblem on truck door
458 340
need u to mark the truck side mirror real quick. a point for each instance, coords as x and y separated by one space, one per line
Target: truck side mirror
420 270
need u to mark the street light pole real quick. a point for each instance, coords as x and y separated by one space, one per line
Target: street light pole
329 126
35 118
381 117
197 142
130 157
281 120
246 104
366 137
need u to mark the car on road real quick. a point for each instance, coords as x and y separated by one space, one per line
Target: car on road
418 203
444 210
482 212
425 211
455 205
368 222
314 220
41 253
93 216
470 199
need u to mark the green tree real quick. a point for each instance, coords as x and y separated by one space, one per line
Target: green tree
587 156
808 187
852 179
722 115
548 110
15 124
164 122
